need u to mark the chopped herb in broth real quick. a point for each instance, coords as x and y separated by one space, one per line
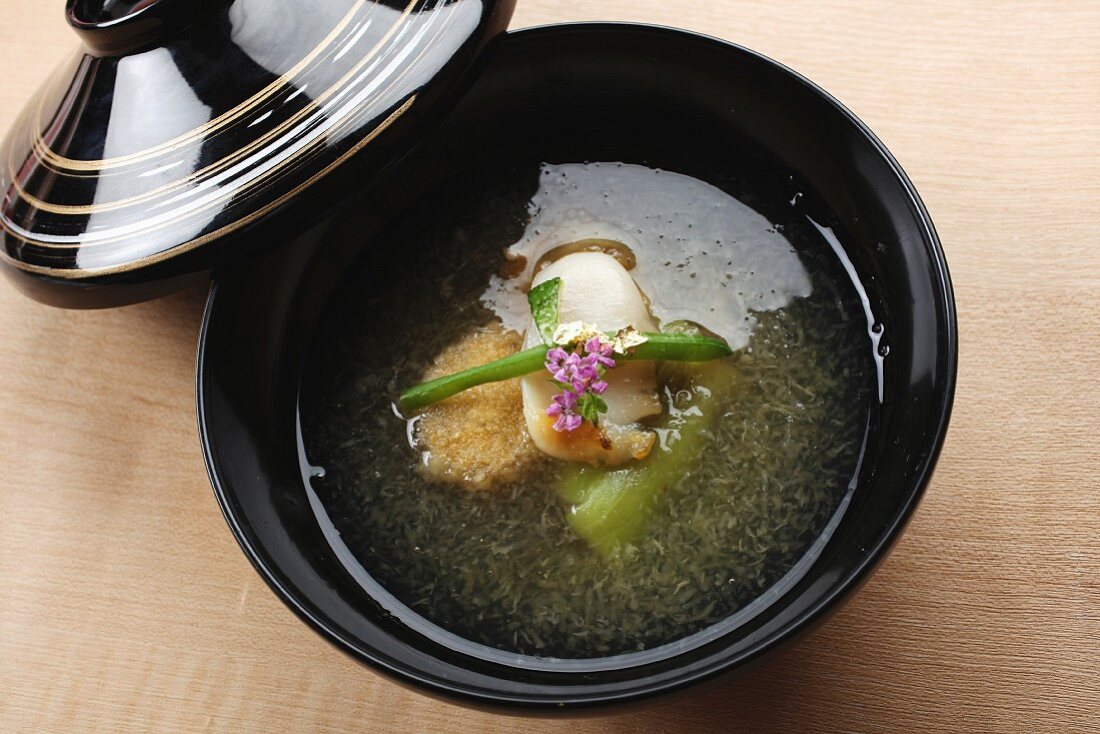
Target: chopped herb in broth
750 489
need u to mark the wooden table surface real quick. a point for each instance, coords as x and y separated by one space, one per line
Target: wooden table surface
126 604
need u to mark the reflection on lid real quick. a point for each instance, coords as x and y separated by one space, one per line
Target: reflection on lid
146 156
131 126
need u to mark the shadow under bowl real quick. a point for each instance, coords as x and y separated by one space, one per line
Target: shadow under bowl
592 83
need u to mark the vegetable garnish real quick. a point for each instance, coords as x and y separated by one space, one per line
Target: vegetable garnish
657 345
576 354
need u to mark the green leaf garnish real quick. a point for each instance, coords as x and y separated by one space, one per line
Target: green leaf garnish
544 307
589 406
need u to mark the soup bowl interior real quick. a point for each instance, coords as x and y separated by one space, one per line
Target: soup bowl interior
585 91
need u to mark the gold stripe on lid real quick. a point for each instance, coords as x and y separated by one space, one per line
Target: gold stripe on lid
48 156
214 168
228 193
79 273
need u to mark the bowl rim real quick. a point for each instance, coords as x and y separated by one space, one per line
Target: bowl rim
644 691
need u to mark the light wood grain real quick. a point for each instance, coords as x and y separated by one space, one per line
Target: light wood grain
127 606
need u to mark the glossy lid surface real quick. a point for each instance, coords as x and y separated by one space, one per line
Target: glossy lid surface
182 122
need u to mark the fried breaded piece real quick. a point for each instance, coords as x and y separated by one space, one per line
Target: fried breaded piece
477 438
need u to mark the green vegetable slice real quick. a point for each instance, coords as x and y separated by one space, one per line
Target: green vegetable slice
612 509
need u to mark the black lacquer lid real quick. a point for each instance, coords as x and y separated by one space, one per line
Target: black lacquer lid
184 128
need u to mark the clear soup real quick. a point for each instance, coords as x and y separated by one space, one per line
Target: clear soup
735 252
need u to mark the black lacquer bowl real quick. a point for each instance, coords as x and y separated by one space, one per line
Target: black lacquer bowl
583 82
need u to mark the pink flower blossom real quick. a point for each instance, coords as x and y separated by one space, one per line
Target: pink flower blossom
600 351
564 366
564 407
578 377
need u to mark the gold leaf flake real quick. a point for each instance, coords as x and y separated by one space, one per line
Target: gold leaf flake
626 338
575 332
